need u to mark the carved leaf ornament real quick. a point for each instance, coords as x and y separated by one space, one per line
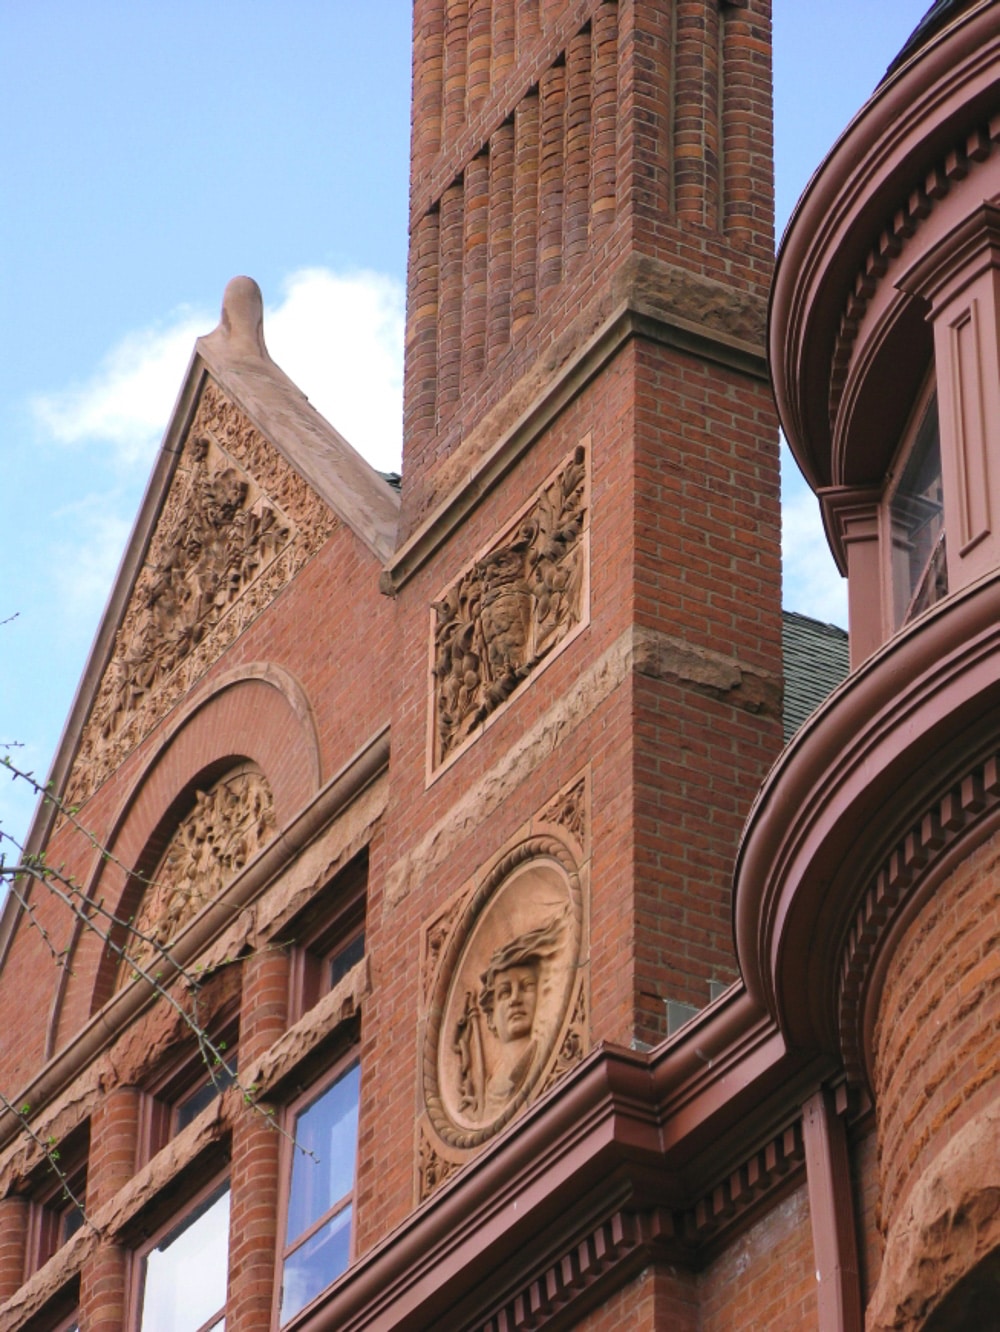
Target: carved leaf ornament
229 823
517 602
236 526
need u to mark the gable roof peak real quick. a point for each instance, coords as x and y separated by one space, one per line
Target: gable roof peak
236 355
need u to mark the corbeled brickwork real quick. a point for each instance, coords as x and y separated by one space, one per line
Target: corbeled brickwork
934 1071
766 1279
618 129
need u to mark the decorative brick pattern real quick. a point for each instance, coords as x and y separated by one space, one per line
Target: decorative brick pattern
933 1070
975 797
765 1279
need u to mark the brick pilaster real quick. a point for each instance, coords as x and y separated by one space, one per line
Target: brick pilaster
13 1241
114 1135
256 1154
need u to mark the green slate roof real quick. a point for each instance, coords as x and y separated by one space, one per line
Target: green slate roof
815 661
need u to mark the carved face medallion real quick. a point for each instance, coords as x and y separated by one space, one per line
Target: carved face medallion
502 1000
514 1002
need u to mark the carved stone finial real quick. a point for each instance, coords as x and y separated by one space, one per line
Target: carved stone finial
242 319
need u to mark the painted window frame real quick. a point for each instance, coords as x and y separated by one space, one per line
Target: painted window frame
894 620
324 932
175 1222
181 1079
291 1153
53 1217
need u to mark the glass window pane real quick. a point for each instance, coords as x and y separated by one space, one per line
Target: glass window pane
349 956
191 1106
316 1263
185 1275
328 1131
916 510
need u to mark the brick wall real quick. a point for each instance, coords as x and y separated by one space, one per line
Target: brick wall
766 1279
864 1183
341 672
933 1070
617 130
659 1297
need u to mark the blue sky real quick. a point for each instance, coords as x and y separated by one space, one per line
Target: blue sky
153 150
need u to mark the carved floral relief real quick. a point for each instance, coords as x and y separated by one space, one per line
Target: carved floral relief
518 601
229 823
237 524
503 991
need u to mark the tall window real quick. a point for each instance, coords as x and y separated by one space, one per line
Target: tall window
183 1274
918 574
328 939
184 1088
317 1236
56 1200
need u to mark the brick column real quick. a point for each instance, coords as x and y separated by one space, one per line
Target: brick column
253 1223
13 1240
114 1133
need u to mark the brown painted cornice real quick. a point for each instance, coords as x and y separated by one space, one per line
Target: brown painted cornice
630 1156
887 777
921 132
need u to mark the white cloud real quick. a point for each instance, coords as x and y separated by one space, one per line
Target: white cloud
85 566
127 400
339 336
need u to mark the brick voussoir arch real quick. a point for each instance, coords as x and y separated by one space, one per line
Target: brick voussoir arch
259 713
256 715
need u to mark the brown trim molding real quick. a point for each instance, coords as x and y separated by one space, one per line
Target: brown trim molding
577 1279
622 1164
912 208
877 782
929 107
939 837
831 1208
611 1253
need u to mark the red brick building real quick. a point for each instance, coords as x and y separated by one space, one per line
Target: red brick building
435 930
